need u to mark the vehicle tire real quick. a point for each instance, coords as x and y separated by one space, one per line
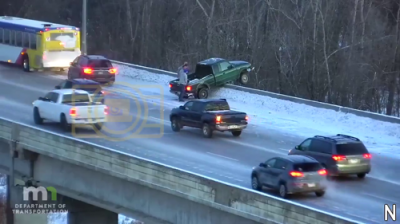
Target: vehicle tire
244 78
236 133
36 116
361 175
64 124
207 131
319 193
203 93
176 124
25 64
98 126
283 190
255 183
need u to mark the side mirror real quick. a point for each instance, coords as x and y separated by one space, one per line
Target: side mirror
262 164
230 66
42 99
297 147
57 87
71 63
182 108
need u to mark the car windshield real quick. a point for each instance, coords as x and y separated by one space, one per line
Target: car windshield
351 149
217 106
307 167
76 98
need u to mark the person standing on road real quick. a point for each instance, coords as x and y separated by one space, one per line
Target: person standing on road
183 79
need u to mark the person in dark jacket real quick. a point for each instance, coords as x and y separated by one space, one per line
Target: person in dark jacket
183 79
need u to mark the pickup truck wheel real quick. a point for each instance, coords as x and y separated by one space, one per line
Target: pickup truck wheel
207 131
175 124
236 133
64 124
98 126
36 116
203 93
244 78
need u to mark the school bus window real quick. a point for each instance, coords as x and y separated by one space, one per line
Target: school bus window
6 36
1 35
12 37
32 40
39 42
18 39
25 40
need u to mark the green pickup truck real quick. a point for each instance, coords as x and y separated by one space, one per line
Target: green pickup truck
211 73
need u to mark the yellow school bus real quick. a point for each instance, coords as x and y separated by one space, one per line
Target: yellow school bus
36 45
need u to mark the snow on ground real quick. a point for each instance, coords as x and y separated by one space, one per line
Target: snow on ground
380 137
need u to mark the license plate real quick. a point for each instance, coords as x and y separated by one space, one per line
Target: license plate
354 160
100 73
311 185
233 127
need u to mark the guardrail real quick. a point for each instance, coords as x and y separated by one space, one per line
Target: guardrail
375 116
209 192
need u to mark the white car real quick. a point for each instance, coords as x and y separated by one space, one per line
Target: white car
68 107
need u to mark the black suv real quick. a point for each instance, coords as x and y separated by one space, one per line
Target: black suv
290 175
339 154
94 67
92 87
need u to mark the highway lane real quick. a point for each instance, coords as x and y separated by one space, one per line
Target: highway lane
223 158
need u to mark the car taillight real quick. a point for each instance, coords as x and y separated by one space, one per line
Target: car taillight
338 158
322 172
106 110
247 118
218 119
113 71
170 86
188 88
367 156
72 112
296 174
88 71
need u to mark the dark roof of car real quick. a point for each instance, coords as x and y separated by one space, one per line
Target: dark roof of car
84 82
298 158
211 61
209 100
339 138
96 57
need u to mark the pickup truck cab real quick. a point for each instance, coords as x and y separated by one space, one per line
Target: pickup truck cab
210 73
209 115
69 107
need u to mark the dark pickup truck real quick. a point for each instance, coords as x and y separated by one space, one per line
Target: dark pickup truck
213 72
209 115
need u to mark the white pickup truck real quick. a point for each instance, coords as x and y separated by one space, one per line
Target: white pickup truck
68 107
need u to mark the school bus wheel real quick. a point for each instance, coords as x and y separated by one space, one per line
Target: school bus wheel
25 63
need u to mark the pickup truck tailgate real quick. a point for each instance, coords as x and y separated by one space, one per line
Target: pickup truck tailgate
231 117
89 111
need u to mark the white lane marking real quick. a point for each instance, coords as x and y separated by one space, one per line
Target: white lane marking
386 200
277 151
225 157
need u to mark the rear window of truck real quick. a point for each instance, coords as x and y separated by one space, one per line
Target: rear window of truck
216 106
76 98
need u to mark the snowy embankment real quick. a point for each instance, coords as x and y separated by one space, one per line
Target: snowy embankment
380 137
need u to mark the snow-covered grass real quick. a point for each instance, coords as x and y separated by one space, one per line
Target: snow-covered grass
380 137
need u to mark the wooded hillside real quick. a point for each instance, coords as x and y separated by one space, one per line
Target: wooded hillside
344 52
